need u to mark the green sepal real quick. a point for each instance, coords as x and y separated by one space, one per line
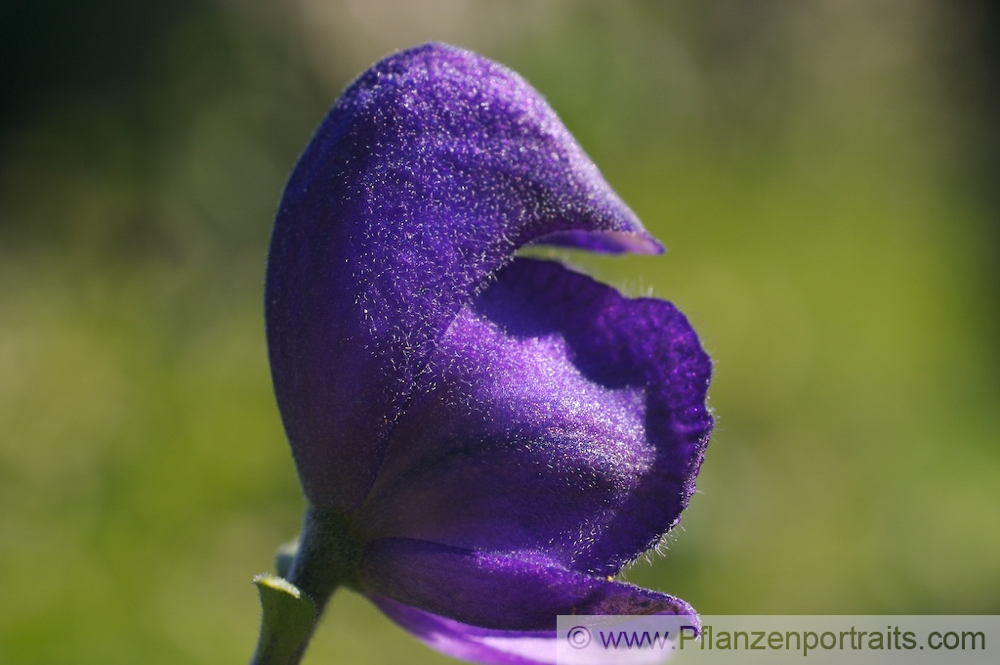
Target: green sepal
287 623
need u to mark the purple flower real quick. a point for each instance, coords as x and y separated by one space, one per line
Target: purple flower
484 440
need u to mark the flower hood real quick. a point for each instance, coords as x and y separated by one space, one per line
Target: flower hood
499 434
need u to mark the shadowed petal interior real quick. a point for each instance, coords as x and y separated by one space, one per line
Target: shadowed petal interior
554 417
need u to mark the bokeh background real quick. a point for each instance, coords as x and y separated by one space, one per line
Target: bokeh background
824 174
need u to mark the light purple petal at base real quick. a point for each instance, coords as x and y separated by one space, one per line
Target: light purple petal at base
480 645
502 647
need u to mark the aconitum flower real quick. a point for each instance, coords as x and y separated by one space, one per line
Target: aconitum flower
484 440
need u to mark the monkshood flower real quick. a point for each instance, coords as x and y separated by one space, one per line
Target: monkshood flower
484 440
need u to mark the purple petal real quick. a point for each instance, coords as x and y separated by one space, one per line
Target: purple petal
425 177
609 242
480 645
498 592
498 647
555 417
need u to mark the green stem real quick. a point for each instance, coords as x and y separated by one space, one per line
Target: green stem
326 558
287 622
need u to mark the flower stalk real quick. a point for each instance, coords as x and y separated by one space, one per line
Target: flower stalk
325 558
287 622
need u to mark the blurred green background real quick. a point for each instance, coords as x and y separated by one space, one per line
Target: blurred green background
824 175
